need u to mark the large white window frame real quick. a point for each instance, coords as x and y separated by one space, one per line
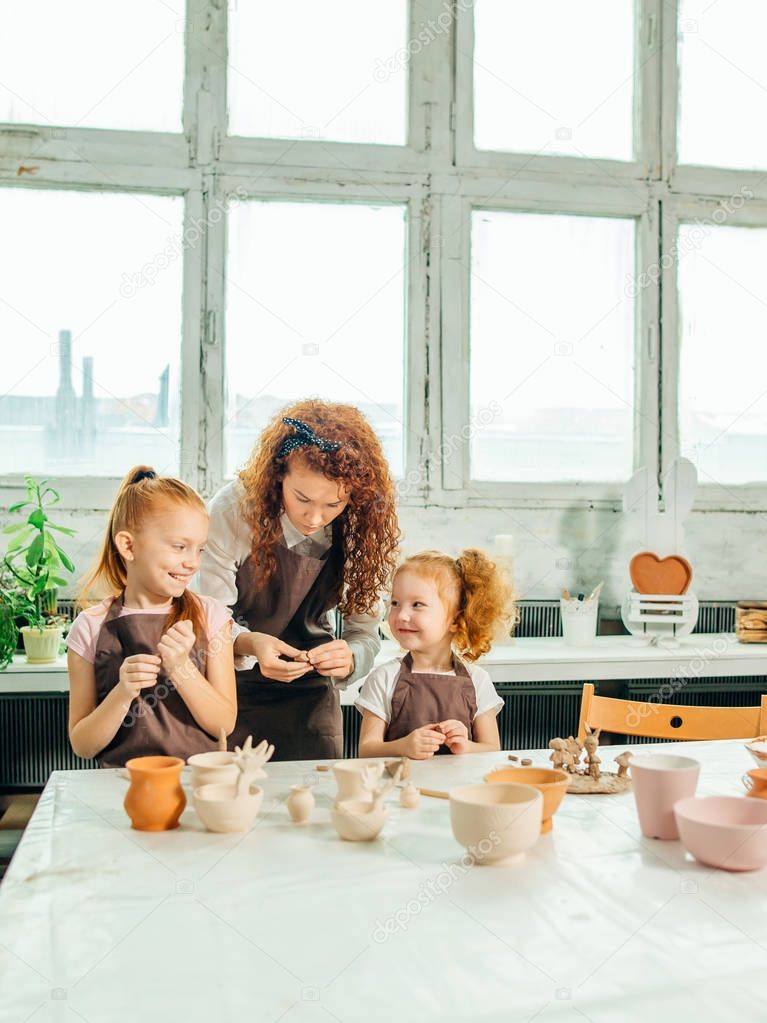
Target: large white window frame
440 177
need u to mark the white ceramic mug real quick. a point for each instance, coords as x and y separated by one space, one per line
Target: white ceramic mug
579 621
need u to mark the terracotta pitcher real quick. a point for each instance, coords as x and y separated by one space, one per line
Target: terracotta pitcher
155 799
758 784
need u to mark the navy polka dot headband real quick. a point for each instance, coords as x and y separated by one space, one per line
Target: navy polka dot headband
304 437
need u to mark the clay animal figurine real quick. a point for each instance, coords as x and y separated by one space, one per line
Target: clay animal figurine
623 763
592 745
576 748
300 803
409 796
561 758
250 762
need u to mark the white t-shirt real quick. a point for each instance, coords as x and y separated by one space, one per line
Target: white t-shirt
85 629
378 687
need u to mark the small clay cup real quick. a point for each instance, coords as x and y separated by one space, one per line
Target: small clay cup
155 799
550 782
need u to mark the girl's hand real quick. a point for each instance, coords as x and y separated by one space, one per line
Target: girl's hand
271 652
423 742
137 672
334 659
174 649
456 735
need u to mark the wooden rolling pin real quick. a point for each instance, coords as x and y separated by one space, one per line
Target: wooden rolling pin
434 793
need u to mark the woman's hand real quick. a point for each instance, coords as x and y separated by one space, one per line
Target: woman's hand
174 649
334 659
423 742
271 652
137 672
456 735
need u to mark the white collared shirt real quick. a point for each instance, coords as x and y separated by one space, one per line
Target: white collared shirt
229 546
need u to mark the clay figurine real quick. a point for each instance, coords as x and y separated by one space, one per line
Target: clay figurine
409 796
576 748
623 763
592 760
561 758
300 803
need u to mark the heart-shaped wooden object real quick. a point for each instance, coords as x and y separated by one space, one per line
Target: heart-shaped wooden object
651 574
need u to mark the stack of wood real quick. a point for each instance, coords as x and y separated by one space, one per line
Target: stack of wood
751 621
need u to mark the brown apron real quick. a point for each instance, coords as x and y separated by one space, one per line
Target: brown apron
158 722
302 718
423 698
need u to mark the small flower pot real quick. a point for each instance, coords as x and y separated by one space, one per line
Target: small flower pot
42 645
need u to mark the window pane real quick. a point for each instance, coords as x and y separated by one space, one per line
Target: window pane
315 308
90 323
554 77
301 69
723 365
93 65
551 347
723 83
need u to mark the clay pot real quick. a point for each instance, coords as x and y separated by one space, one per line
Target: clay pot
757 786
214 768
300 803
351 775
155 799
357 820
221 809
550 782
42 645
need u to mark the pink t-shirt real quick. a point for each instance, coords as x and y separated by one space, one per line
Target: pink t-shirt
85 628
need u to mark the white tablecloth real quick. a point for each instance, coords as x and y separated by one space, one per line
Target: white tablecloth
109 925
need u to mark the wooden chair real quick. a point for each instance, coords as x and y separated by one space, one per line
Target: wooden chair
675 722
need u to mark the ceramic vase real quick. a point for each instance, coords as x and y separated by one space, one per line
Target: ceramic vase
300 803
155 799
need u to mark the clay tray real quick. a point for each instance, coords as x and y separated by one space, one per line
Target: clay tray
584 784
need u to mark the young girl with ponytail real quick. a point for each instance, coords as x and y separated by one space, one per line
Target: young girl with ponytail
151 667
444 612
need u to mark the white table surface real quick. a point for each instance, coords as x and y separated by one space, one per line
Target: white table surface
539 659
102 924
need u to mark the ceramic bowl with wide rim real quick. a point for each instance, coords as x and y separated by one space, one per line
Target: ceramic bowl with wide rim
496 822
354 820
758 750
729 832
214 768
220 809
550 782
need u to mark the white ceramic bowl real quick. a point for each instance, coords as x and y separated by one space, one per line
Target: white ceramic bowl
355 822
495 822
214 768
729 832
220 810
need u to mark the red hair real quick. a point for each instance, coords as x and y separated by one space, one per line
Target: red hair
476 591
365 534
141 494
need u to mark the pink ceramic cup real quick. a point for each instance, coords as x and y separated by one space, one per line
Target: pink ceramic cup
659 781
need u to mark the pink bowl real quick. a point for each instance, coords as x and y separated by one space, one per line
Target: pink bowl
729 832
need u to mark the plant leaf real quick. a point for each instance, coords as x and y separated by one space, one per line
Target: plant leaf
37 518
65 560
35 551
62 529
18 506
19 540
15 527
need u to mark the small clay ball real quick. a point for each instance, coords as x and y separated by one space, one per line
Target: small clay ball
527 762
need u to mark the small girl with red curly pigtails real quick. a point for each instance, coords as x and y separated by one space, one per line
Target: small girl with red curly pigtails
444 613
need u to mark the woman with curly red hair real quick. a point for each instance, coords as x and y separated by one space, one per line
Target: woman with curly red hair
307 528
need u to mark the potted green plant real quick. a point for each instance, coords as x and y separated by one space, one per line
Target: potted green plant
36 563
9 611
